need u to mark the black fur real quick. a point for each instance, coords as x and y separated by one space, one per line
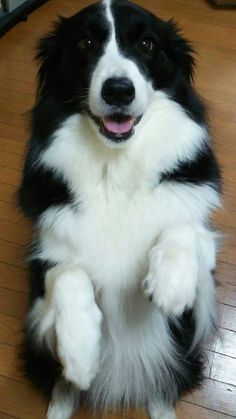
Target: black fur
41 189
183 331
203 169
38 364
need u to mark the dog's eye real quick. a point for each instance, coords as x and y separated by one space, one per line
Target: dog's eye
146 45
85 44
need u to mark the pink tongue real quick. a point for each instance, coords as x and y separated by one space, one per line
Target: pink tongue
121 127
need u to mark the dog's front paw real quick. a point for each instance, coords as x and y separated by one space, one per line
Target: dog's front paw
171 280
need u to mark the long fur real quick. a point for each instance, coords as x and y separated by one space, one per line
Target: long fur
122 293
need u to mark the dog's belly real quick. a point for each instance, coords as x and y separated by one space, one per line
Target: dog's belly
137 352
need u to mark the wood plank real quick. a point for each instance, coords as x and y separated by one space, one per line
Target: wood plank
12 146
20 400
18 86
199 11
223 401
10 330
9 131
12 160
14 232
226 272
216 80
3 416
12 253
7 193
9 212
10 176
11 118
228 252
17 75
88 414
227 294
184 410
13 278
224 369
20 109
226 343
227 317
10 363
13 303
191 411
209 355
26 99
29 68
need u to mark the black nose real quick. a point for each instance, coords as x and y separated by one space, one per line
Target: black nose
118 91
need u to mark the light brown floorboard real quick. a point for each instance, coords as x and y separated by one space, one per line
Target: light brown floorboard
213 32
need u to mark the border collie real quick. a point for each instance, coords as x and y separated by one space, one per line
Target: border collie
119 181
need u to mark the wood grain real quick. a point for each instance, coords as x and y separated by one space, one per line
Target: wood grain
213 33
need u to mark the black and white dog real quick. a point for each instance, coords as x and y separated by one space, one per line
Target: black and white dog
119 181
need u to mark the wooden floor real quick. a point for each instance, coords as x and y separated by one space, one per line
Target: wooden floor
213 33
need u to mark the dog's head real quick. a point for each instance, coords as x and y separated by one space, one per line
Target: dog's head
107 62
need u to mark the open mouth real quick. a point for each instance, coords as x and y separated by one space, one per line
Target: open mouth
117 127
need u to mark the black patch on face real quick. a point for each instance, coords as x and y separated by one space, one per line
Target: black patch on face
170 55
169 64
69 54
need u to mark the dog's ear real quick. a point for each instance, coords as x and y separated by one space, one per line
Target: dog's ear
180 51
47 51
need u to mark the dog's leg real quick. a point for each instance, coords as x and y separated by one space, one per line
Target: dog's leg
175 263
65 399
159 410
172 278
180 276
68 321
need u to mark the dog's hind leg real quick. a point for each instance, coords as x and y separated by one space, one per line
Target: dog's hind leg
160 410
64 401
67 321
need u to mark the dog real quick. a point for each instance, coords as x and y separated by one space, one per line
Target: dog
120 181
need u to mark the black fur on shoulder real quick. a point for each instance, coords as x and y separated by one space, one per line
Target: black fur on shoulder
41 189
202 170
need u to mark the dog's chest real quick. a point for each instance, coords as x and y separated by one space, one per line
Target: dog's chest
108 233
113 221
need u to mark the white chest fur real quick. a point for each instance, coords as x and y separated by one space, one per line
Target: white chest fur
120 209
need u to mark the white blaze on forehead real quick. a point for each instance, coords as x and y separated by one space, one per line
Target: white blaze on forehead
107 4
114 64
